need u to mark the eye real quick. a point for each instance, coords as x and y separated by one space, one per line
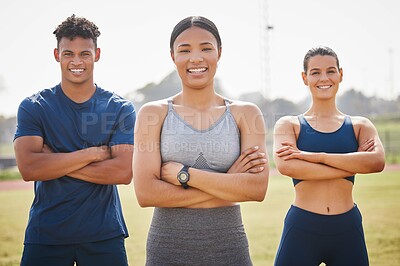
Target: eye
314 73
184 51
207 49
68 54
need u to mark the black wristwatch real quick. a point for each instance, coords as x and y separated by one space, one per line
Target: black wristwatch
183 176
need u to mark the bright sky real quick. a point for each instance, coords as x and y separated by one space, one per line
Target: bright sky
135 43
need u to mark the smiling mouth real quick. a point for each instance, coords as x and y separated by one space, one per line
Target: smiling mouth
324 87
76 70
197 70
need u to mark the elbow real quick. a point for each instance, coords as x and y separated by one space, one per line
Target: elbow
143 200
376 165
260 196
27 178
285 169
144 197
126 177
260 190
27 174
144 204
379 165
126 180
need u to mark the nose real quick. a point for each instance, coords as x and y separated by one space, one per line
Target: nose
196 58
76 60
323 76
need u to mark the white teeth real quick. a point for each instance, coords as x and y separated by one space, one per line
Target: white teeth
197 70
77 70
324 87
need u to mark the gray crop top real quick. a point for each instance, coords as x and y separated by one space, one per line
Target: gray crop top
213 149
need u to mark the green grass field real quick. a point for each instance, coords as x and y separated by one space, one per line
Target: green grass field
377 196
389 133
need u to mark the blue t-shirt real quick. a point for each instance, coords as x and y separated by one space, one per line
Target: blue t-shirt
68 210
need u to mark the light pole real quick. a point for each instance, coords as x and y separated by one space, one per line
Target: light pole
265 28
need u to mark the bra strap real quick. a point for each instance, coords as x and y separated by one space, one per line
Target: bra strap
227 104
169 104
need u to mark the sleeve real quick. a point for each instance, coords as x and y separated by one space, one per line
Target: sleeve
28 121
125 124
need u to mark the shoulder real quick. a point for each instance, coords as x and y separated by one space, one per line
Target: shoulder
361 123
112 96
37 99
156 107
242 107
150 119
287 120
153 112
287 124
247 116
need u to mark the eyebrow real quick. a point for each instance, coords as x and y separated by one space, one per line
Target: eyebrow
69 51
203 43
315 68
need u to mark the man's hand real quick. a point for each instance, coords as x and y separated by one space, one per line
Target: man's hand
46 149
100 153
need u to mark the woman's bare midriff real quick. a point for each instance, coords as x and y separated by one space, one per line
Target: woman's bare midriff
327 197
214 203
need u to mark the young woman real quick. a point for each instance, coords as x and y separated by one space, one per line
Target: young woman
322 150
188 161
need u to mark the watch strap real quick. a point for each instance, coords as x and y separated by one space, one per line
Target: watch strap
185 169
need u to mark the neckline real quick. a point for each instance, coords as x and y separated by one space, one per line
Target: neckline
332 132
219 120
78 105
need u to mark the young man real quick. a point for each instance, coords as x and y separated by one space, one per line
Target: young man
75 141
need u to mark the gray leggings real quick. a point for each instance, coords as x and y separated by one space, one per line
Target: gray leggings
181 236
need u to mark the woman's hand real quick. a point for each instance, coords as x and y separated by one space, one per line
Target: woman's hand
367 146
249 161
289 151
169 172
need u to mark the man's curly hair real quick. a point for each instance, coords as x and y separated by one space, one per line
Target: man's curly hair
75 26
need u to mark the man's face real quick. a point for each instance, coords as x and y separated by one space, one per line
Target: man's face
76 58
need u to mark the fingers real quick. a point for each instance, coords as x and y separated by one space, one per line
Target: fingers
287 150
287 143
256 170
250 161
367 146
372 148
247 152
46 149
248 155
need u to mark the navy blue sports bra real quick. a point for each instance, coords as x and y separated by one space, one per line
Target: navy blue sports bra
342 140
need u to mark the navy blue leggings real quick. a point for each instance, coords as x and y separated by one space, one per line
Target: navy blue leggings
309 239
102 253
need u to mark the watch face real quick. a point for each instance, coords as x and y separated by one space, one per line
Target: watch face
183 177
